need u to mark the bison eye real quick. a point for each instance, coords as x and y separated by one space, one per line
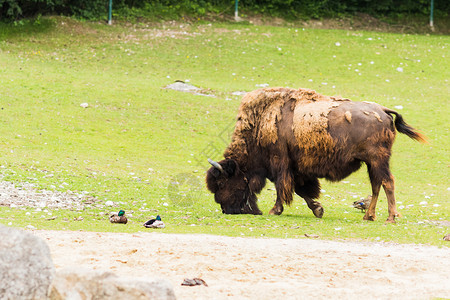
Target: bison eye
230 167
216 173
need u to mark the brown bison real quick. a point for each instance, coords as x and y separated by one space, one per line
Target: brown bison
293 137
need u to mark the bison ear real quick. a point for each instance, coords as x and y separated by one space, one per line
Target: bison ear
230 167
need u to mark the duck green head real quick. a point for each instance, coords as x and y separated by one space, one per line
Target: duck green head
158 218
121 213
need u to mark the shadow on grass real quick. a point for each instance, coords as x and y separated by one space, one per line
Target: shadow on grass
26 28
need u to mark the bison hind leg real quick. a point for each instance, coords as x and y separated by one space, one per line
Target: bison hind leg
309 190
380 175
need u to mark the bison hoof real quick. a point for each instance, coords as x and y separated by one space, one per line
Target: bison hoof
391 219
370 218
275 211
318 212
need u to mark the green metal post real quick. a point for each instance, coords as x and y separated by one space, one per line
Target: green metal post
110 13
236 17
431 13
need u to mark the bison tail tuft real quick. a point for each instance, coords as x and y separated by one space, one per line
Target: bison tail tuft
404 128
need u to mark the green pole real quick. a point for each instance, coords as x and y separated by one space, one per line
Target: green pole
236 17
431 13
110 13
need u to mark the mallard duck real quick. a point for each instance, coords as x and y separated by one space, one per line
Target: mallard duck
118 218
155 223
363 204
447 237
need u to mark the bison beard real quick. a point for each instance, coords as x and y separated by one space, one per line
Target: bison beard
293 137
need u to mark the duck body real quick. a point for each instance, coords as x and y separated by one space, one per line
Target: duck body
155 223
363 204
118 218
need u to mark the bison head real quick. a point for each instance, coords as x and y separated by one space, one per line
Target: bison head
231 188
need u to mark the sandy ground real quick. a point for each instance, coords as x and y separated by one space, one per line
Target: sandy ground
246 268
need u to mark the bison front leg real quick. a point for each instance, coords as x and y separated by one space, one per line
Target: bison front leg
310 190
284 187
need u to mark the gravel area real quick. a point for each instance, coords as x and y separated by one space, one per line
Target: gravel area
27 195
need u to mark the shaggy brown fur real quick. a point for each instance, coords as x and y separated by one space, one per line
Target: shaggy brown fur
293 137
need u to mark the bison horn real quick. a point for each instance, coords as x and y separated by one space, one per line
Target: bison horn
215 165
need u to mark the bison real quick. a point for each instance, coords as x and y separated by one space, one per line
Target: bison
293 137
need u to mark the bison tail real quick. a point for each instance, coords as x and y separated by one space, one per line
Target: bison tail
404 128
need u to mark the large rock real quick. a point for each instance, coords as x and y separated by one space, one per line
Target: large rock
26 268
74 284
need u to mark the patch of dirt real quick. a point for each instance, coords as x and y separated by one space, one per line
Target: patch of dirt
248 268
359 21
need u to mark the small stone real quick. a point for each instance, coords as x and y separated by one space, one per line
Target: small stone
193 282
84 105
314 236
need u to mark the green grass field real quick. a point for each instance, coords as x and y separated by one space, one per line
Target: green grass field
136 137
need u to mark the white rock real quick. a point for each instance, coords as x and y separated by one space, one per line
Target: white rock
26 266
109 203
337 44
96 284
400 69
398 107
84 105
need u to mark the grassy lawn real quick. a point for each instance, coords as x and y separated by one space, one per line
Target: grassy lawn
136 140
